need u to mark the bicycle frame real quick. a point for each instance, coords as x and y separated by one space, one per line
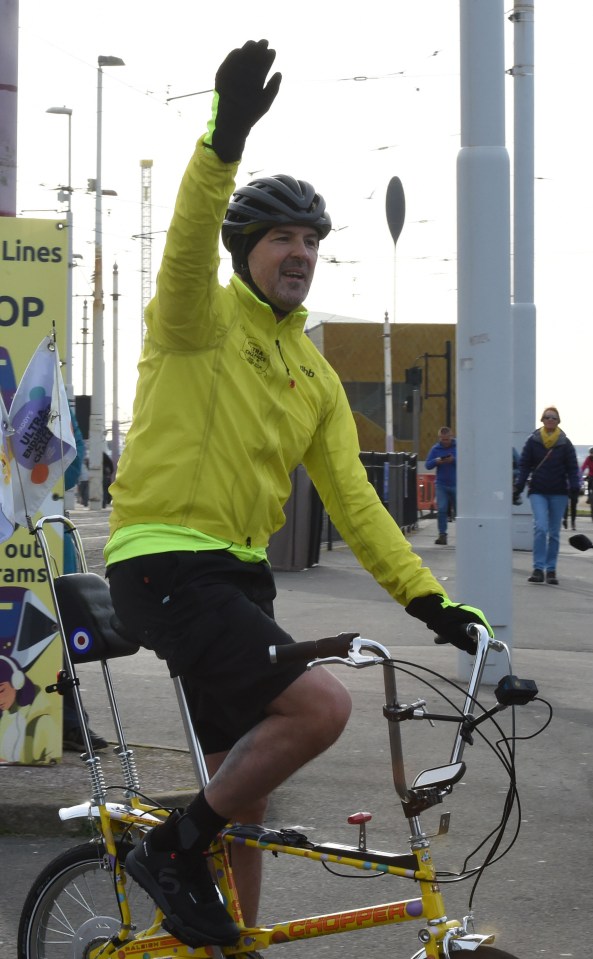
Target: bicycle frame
438 930
116 820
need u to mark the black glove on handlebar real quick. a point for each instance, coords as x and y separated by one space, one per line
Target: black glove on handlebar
448 620
241 97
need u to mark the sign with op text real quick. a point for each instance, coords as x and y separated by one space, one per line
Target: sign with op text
33 302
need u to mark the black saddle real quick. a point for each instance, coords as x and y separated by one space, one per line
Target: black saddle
92 630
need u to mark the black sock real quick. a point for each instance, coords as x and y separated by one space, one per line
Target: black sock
206 820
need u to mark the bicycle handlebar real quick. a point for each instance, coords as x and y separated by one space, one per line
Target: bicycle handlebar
347 648
314 649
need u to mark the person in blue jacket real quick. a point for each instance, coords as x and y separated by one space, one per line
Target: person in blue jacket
549 467
443 457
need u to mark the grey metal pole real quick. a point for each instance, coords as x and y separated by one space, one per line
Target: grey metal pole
70 223
65 194
97 415
85 333
115 412
388 384
416 421
523 312
9 45
395 210
484 408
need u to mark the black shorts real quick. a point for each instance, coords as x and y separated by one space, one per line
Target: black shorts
211 617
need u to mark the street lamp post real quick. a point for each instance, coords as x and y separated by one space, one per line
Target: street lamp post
65 194
395 210
115 414
97 415
85 333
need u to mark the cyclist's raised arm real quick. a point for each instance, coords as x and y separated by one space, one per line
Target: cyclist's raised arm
186 310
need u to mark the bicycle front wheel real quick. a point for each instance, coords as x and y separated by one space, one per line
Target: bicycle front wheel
72 904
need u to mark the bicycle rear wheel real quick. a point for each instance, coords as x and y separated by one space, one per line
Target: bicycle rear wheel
73 903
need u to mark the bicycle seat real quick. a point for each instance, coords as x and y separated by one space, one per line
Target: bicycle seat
91 627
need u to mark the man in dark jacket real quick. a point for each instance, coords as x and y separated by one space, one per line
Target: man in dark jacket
549 467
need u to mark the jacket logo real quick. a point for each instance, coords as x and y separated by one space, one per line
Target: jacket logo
254 353
307 372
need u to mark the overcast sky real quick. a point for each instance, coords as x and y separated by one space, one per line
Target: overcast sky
346 134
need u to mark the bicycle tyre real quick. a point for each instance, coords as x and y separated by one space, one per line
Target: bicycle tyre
73 903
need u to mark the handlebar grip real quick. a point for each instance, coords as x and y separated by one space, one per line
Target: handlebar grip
463 630
464 636
313 649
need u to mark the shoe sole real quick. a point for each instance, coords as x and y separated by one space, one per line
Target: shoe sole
191 937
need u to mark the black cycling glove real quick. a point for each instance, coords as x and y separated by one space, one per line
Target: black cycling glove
448 619
241 98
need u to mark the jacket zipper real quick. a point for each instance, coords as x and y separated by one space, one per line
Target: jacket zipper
291 381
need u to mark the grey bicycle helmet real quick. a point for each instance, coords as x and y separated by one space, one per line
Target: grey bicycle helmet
273 201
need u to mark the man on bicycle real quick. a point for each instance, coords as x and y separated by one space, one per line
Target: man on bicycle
231 398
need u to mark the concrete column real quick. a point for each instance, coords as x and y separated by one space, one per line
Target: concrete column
484 381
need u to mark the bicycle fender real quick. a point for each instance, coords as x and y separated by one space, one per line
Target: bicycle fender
116 811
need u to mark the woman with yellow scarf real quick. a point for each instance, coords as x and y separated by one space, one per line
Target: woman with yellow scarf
549 466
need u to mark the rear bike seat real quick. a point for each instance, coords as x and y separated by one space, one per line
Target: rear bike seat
91 632
91 628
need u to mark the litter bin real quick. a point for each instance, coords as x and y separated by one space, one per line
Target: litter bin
297 544
393 476
410 505
394 470
375 465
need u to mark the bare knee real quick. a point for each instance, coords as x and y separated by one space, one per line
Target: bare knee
336 706
318 704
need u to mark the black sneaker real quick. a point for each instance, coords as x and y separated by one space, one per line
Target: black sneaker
537 576
73 742
181 885
441 540
551 578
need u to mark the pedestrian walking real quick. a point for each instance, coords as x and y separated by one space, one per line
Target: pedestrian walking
443 457
549 467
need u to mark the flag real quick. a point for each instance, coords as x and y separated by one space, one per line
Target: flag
6 500
42 440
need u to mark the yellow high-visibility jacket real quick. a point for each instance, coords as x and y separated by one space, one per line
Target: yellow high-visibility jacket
229 402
